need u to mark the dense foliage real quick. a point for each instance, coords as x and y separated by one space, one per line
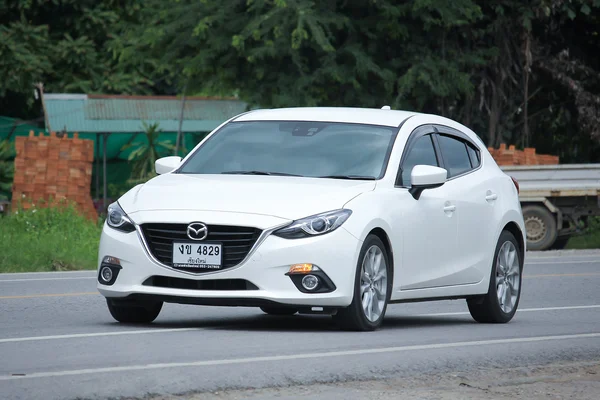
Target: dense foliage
520 72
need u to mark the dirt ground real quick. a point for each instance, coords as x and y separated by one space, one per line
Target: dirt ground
579 381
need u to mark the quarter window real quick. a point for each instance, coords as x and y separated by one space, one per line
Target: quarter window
421 153
474 156
455 154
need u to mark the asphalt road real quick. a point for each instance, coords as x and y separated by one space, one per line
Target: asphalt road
58 341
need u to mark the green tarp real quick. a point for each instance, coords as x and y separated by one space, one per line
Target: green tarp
117 167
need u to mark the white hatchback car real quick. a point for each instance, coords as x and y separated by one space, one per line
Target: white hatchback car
319 210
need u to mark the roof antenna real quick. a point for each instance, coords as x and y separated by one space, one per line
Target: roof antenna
386 108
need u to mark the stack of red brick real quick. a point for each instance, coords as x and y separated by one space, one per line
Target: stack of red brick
50 168
527 156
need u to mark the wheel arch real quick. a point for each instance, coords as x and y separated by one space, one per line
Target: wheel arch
514 228
383 236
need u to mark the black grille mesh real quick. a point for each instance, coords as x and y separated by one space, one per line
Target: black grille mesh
237 242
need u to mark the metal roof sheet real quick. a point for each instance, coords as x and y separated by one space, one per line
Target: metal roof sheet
106 113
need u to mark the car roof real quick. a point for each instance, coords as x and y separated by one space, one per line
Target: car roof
372 116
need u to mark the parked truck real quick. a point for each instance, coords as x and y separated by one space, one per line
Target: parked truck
557 201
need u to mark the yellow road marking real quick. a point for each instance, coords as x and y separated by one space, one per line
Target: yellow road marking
556 275
32 296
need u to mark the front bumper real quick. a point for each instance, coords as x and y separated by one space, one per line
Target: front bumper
335 253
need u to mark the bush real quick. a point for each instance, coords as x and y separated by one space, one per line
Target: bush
6 170
590 237
48 239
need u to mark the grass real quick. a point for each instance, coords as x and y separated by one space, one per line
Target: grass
590 239
48 239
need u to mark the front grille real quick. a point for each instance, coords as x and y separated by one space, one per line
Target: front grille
191 284
237 242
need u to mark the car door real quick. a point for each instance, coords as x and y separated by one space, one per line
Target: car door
475 202
429 225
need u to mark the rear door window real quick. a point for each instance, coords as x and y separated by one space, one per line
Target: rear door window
456 156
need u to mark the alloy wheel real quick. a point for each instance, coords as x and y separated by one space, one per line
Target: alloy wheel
373 283
508 273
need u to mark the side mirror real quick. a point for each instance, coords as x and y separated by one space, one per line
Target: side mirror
426 177
166 164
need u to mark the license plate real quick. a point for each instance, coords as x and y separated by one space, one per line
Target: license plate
197 255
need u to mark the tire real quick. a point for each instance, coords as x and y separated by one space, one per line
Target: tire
279 310
133 312
540 225
488 308
354 317
560 243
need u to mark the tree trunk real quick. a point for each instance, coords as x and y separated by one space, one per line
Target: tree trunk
526 73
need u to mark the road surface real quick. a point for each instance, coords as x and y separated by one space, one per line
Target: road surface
58 341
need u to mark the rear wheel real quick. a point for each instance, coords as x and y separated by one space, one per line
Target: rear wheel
500 303
279 310
372 289
540 226
134 312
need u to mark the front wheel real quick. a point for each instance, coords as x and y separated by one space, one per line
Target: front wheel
134 312
500 303
372 289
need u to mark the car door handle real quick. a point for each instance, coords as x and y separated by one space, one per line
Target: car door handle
449 208
491 196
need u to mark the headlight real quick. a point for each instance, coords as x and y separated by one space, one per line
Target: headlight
117 219
315 225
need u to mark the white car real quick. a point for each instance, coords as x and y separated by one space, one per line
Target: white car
340 211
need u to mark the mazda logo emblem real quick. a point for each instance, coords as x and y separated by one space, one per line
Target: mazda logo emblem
197 231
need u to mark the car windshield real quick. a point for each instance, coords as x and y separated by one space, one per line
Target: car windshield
310 149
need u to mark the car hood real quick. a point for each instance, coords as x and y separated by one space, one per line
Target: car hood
278 196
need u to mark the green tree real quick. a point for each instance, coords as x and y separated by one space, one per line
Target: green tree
494 65
66 45
280 53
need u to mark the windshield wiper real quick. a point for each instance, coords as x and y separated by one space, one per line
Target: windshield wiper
353 177
257 173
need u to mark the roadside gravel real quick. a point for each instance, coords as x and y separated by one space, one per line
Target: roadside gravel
579 381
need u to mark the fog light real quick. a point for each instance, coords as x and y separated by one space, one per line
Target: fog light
106 274
310 282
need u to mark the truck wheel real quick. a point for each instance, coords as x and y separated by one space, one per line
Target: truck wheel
540 225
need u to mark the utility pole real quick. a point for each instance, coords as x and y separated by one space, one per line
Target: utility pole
179 134
40 87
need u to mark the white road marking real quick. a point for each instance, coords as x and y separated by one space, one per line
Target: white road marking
47 279
563 262
159 330
518 310
83 271
304 356
96 334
